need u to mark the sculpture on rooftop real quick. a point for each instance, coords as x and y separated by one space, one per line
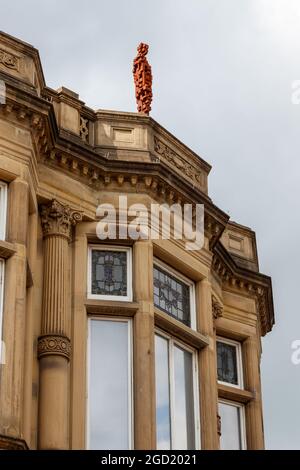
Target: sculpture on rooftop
142 79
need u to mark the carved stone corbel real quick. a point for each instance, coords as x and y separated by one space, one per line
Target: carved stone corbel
217 308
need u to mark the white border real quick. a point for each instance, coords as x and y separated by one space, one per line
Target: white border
175 342
239 361
99 247
3 209
130 376
160 264
242 417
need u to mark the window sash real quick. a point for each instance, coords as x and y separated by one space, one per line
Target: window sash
3 209
130 436
182 279
239 362
2 270
241 424
172 344
124 298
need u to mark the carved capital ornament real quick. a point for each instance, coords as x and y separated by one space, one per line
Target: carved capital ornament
56 345
58 219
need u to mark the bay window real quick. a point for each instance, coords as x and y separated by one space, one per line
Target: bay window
177 413
109 390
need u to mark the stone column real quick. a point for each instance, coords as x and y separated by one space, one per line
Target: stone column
54 346
207 369
144 376
254 419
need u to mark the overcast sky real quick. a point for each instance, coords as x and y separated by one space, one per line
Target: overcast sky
222 84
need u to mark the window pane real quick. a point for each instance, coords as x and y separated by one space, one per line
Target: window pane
227 363
163 427
3 204
109 272
172 295
2 346
184 420
109 385
230 427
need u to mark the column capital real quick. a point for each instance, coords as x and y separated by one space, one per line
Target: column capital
58 219
57 345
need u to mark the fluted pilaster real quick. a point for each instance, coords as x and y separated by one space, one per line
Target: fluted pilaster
57 222
54 345
254 421
207 369
54 319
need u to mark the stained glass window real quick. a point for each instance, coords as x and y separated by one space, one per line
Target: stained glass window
109 273
171 295
227 363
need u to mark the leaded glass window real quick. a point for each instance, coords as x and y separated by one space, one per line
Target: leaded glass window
110 274
229 367
172 295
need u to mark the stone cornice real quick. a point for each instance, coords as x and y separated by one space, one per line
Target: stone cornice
69 154
236 278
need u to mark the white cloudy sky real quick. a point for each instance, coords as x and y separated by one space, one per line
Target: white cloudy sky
222 84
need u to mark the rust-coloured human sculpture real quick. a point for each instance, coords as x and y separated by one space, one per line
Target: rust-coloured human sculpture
142 79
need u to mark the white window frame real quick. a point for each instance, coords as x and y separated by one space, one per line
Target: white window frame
130 375
99 247
3 209
239 361
241 407
160 264
2 273
176 342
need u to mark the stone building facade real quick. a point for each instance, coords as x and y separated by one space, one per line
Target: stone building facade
132 344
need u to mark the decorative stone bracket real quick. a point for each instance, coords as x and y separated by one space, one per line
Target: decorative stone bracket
217 308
